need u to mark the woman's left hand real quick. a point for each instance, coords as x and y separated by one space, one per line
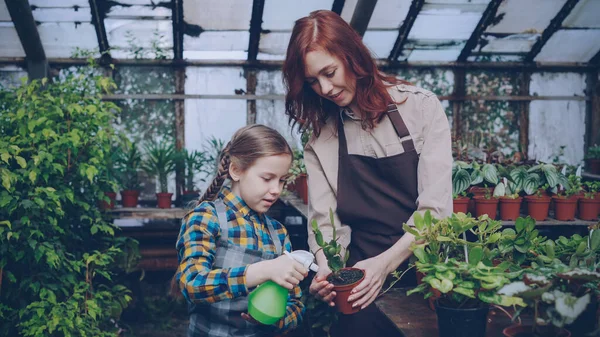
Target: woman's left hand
375 274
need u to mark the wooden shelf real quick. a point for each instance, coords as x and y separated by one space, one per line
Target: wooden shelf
554 222
147 213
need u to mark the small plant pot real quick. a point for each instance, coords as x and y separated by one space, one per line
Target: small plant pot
301 185
588 209
592 166
476 192
538 207
163 200
564 208
460 205
188 198
461 322
486 206
108 205
130 198
518 330
510 208
343 290
436 293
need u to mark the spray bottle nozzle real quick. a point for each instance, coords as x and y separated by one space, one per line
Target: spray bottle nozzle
305 258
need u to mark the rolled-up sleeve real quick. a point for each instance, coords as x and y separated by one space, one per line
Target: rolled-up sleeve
435 162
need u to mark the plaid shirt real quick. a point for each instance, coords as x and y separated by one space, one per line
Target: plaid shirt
196 248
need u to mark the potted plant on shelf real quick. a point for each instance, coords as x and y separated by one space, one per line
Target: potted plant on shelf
160 160
461 180
557 295
193 163
509 199
592 159
588 205
486 204
297 175
565 200
483 179
129 161
541 181
343 279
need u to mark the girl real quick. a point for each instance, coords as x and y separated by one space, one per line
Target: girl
227 245
380 151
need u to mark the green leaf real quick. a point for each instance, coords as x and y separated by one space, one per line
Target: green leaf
475 255
32 176
476 177
21 161
418 220
595 240
531 183
6 223
551 174
5 156
420 254
461 180
94 229
463 291
446 286
490 173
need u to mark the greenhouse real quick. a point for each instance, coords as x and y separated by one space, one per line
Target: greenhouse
124 125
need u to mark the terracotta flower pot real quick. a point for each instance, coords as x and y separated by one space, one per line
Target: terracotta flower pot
510 208
163 200
486 206
537 207
436 293
476 192
343 292
564 208
588 209
130 198
460 204
526 331
108 205
301 185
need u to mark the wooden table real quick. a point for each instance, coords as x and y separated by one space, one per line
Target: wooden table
413 318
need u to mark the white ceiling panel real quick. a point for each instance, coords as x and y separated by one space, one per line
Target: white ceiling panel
570 46
61 39
586 14
11 45
517 43
531 16
389 14
4 14
214 55
434 55
218 40
281 14
380 42
218 14
120 12
59 3
274 43
81 14
449 24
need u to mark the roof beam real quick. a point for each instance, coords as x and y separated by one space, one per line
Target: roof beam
258 7
98 9
362 15
22 18
338 6
554 25
178 28
486 19
411 16
595 61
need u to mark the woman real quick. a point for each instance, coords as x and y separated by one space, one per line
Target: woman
380 150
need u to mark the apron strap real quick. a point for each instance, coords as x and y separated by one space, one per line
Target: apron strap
274 237
400 127
343 151
222 215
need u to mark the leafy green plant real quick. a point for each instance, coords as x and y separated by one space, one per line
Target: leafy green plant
591 188
578 251
543 176
129 164
194 162
524 244
461 177
212 149
575 187
298 168
331 249
57 252
161 159
486 173
593 152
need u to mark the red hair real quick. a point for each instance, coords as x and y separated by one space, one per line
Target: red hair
327 31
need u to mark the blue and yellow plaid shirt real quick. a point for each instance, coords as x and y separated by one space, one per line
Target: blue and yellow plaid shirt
196 247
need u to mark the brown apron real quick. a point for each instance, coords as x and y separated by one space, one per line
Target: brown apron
375 197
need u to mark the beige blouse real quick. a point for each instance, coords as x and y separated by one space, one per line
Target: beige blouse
429 128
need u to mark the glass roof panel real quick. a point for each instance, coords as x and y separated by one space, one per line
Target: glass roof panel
442 55
217 40
517 16
380 42
136 11
11 45
214 55
59 3
449 23
274 44
140 38
62 14
281 14
62 38
4 14
218 14
389 14
566 46
584 15
517 43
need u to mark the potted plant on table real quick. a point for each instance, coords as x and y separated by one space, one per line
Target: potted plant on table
193 163
343 279
160 161
129 161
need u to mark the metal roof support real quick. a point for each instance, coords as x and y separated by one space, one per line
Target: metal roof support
525 81
592 110
338 6
554 25
37 64
178 28
98 9
258 7
362 15
411 16
488 15
595 61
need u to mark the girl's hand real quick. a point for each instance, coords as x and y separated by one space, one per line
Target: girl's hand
367 291
286 272
249 318
322 289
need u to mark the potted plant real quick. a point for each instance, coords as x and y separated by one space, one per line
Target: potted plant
297 175
542 180
343 279
159 162
592 159
565 201
129 161
193 163
524 245
588 205
461 180
557 295
486 204
483 179
509 198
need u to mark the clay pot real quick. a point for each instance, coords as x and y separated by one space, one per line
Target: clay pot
588 209
163 200
342 294
301 185
108 205
526 331
486 206
564 208
476 192
130 198
510 208
460 204
537 207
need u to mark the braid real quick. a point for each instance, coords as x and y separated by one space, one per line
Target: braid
222 173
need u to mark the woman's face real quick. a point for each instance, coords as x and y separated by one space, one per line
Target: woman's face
327 76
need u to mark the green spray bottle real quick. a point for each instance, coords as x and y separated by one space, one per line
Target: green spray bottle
267 303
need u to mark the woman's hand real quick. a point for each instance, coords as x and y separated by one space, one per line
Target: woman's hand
322 289
376 271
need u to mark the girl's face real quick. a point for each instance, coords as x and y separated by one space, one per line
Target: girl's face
328 77
261 184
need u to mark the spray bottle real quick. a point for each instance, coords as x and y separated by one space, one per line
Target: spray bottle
267 303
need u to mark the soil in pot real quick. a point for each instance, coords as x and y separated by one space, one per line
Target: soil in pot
564 208
461 322
527 331
343 283
510 208
460 204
